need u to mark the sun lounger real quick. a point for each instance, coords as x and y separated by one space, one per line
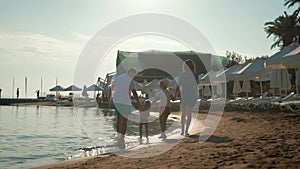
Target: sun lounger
292 105
236 102
247 103
264 103
289 99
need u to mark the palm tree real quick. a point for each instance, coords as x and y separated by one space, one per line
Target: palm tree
291 3
285 29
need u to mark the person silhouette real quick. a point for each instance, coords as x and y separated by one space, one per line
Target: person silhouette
38 94
122 87
187 85
84 92
164 96
18 93
144 114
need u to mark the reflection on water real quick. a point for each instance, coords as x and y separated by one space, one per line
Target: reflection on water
32 136
37 135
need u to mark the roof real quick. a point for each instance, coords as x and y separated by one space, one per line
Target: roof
253 69
164 64
275 61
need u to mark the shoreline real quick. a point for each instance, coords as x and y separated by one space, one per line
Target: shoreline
135 151
241 140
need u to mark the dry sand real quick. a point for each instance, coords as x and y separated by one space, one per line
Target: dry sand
241 140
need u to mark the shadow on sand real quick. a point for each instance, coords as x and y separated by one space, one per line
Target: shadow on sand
171 141
211 138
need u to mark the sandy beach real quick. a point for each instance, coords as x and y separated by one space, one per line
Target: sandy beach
241 140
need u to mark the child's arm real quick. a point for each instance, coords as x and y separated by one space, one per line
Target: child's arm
136 98
176 91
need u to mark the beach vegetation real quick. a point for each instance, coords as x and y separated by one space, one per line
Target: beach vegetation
285 29
234 58
291 3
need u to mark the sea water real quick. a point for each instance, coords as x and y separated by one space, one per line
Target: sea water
32 136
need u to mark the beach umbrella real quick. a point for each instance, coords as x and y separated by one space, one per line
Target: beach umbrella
57 88
280 79
275 81
246 87
236 87
73 88
93 87
285 80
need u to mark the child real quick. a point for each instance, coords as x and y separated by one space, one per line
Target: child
144 114
164 96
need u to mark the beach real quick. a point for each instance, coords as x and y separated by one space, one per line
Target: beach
241 140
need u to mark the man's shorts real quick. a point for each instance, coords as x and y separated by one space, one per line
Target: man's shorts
122 109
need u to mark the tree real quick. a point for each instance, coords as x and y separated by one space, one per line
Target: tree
290 3
265 57
233 58
248 59
284 28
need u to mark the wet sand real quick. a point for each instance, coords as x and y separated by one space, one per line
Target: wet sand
241 140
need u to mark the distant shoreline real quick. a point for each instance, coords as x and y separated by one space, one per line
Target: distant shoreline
33 101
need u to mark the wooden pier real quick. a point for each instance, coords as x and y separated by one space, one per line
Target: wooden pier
10 101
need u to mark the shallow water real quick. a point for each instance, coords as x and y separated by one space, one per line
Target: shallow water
32 136
37 135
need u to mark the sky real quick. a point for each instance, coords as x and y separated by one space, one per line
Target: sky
44 39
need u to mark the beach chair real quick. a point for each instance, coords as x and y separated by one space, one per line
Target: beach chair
237 103
248 104
282 102
264 103
292 105
232 102
245 104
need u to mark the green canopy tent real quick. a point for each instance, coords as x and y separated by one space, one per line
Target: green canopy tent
164 64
